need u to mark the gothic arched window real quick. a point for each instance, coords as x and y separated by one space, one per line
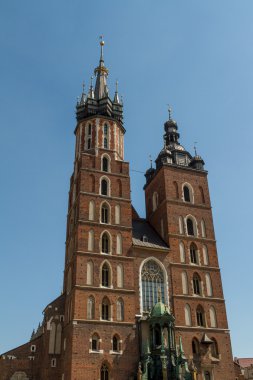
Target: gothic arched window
120 279
205 255
105 243
104 187
190 227
187 313
209 288
193 254
213 319
89 273
105 213
105 164
153 282
200 316
95 342
214 348
195 346
104 372
105 309
184 283
105 275
196 284
105 137
91 210
187 196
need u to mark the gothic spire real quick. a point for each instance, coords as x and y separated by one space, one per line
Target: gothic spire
116 96
101 72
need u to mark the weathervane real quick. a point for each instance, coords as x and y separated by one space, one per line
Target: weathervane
170 111
195 148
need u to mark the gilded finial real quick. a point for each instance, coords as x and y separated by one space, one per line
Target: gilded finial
102 42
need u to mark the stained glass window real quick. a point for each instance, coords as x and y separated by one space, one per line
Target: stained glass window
152 279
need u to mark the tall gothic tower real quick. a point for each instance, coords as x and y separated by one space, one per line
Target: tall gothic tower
142 298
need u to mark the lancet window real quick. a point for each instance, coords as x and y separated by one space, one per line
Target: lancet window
153 284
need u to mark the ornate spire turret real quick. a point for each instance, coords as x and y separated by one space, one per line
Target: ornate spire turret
101 72
116 96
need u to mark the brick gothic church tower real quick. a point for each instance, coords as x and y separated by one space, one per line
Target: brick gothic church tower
122 270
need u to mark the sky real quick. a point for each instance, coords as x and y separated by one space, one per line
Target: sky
195 55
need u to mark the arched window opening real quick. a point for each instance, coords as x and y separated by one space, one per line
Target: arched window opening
105 213
200 316
91 308
91 241
119 244
209 288
153 283
193 254
195 346
104 187
155 201
115 343
207 375
214 348
104 372
182 252
187 313
105 164
176 192
105 275
185 283
205 255
52 338
203 228
91 210
196 284
181 225
89 143
105 136
105 309
120 310
92 183
187 194
117 214
89 272
190 227
119 276
202 195
213 319
95 342
105 243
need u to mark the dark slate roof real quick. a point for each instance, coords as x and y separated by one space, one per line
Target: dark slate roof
142 228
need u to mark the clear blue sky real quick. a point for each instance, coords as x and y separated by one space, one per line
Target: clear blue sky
196 55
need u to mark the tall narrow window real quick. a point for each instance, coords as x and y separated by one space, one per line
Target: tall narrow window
205 255
176 192
182 252
213 319
105 243
195 346
187 313
105 164
104 372
120 310
91 308
52 338
203 228
185 283
105 137
104 187
95 342
117 214
119 244
202 195
119 185
193 254
89 272
105 213
91 240
91 210
115 343
105 275
214 348
196 284
200 316
209 288
119 276
187 196
105 309
190 227
153 283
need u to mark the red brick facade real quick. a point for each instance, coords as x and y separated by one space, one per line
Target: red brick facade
95 321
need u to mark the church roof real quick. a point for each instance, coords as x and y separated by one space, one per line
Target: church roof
145 236
244 362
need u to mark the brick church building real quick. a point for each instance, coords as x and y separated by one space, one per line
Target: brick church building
142 298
